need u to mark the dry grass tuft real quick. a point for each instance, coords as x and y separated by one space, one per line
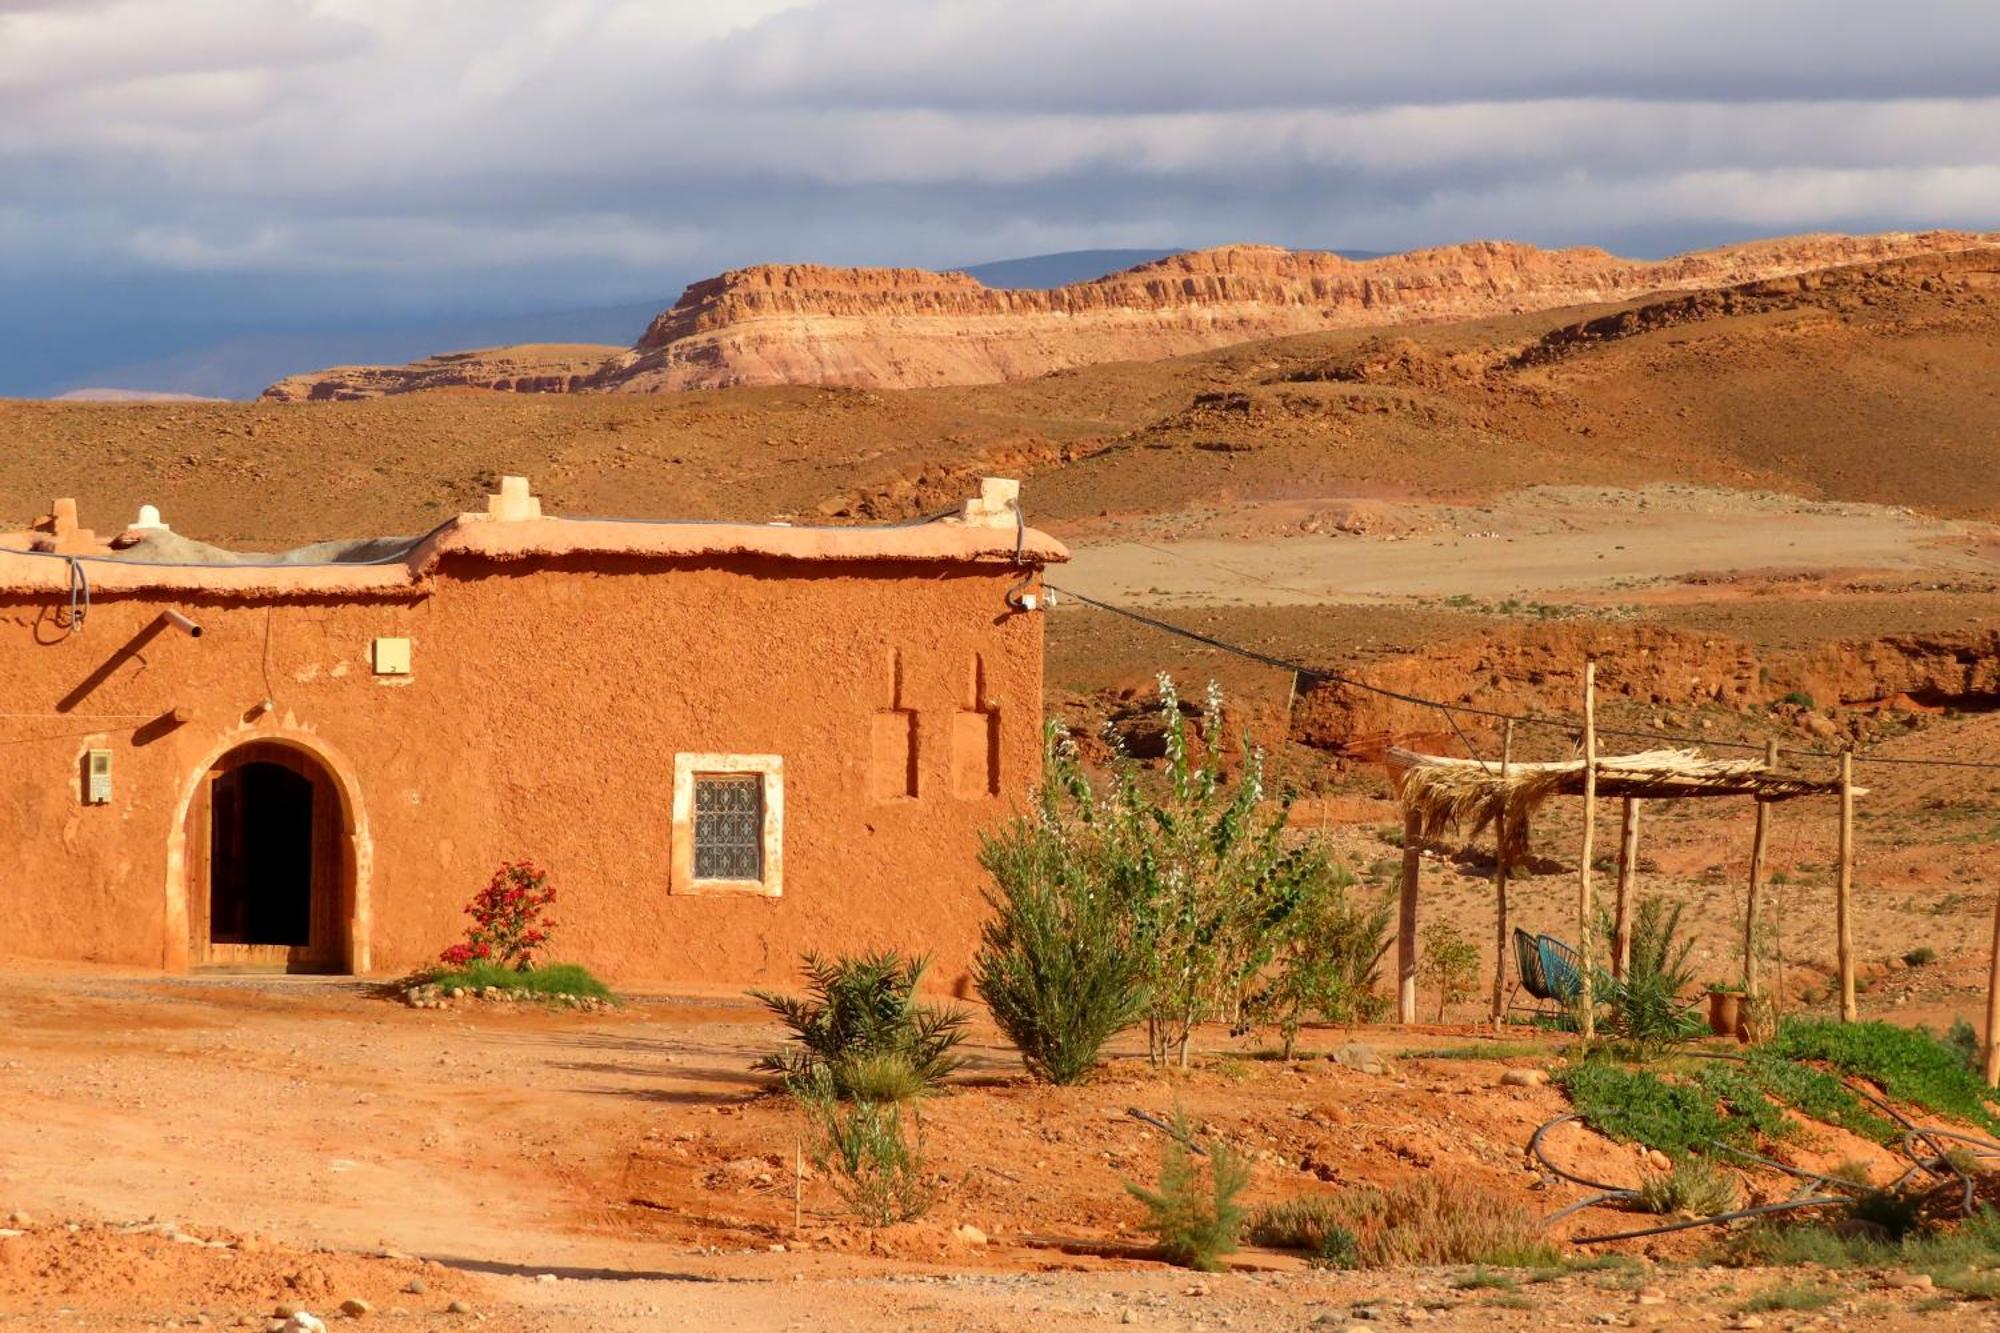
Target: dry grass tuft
1418 1222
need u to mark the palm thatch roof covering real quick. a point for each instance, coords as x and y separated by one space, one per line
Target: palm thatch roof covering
1467 795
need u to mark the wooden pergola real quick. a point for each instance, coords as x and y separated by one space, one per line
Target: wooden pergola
1441 794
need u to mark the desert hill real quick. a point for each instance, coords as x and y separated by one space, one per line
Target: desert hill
911 328
1876 382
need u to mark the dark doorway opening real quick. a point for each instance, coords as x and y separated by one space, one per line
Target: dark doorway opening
261 856
271 864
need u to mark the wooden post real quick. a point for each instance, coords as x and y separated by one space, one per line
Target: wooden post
1406 921
1843 890
1585 907
1500 868
1628 869
798 1184
1993 1004
1760 840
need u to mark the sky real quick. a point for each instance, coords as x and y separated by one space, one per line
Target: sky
205 167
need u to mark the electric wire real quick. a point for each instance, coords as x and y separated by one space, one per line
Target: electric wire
78 577
1568 726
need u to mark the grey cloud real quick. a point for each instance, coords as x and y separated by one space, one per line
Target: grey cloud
1165 54
521 151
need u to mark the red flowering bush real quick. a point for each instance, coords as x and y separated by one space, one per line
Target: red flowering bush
507 921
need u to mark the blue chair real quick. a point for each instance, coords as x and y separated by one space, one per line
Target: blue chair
1528 963
1561 969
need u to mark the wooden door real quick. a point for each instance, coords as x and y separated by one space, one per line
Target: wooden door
228 928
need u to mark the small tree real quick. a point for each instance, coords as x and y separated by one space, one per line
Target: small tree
507 921
1196 1220
1450 964
1324 965
1206 874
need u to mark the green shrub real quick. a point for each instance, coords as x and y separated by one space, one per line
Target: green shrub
1800 699
1059 965
857 1011
1770 1243
866 1151
1324 961
1832 1240
1910 1066
1888 1213
546 982
878 1076
1644 1009
1691 1185
1483 1278
1983 1229
1449 963
1636 1106
1194 1214
1203 869
1817 1094
1742 1096
1792 1296
1962 1037
1921 956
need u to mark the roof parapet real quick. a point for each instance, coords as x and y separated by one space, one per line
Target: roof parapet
513 502
998 504
64 534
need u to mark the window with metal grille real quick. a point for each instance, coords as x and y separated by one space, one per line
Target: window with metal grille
729 826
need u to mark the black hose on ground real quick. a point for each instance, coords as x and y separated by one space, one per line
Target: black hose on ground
1716 1219
1536 1151
1911 1131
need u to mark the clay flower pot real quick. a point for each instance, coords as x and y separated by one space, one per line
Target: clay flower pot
1725 1012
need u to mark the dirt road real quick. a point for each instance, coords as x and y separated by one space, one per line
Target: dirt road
1542 544
223 1147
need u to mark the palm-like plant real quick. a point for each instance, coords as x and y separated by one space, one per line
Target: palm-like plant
1645 1008
858 1016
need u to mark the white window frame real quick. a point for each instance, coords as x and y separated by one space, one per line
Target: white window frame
688 767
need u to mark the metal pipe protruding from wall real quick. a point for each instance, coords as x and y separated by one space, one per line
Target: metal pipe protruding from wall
182 623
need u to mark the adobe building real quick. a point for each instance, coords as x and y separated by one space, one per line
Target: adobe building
728 743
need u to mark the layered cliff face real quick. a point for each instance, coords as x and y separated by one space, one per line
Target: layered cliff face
527 368
909 328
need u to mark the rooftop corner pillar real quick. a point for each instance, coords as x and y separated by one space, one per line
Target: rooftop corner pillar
1406 920
514 502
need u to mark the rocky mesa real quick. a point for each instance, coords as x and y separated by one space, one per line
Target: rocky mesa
911 328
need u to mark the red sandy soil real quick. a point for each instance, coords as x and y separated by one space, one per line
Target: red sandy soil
278 1137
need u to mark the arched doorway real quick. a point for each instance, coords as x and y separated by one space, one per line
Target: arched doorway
269 882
